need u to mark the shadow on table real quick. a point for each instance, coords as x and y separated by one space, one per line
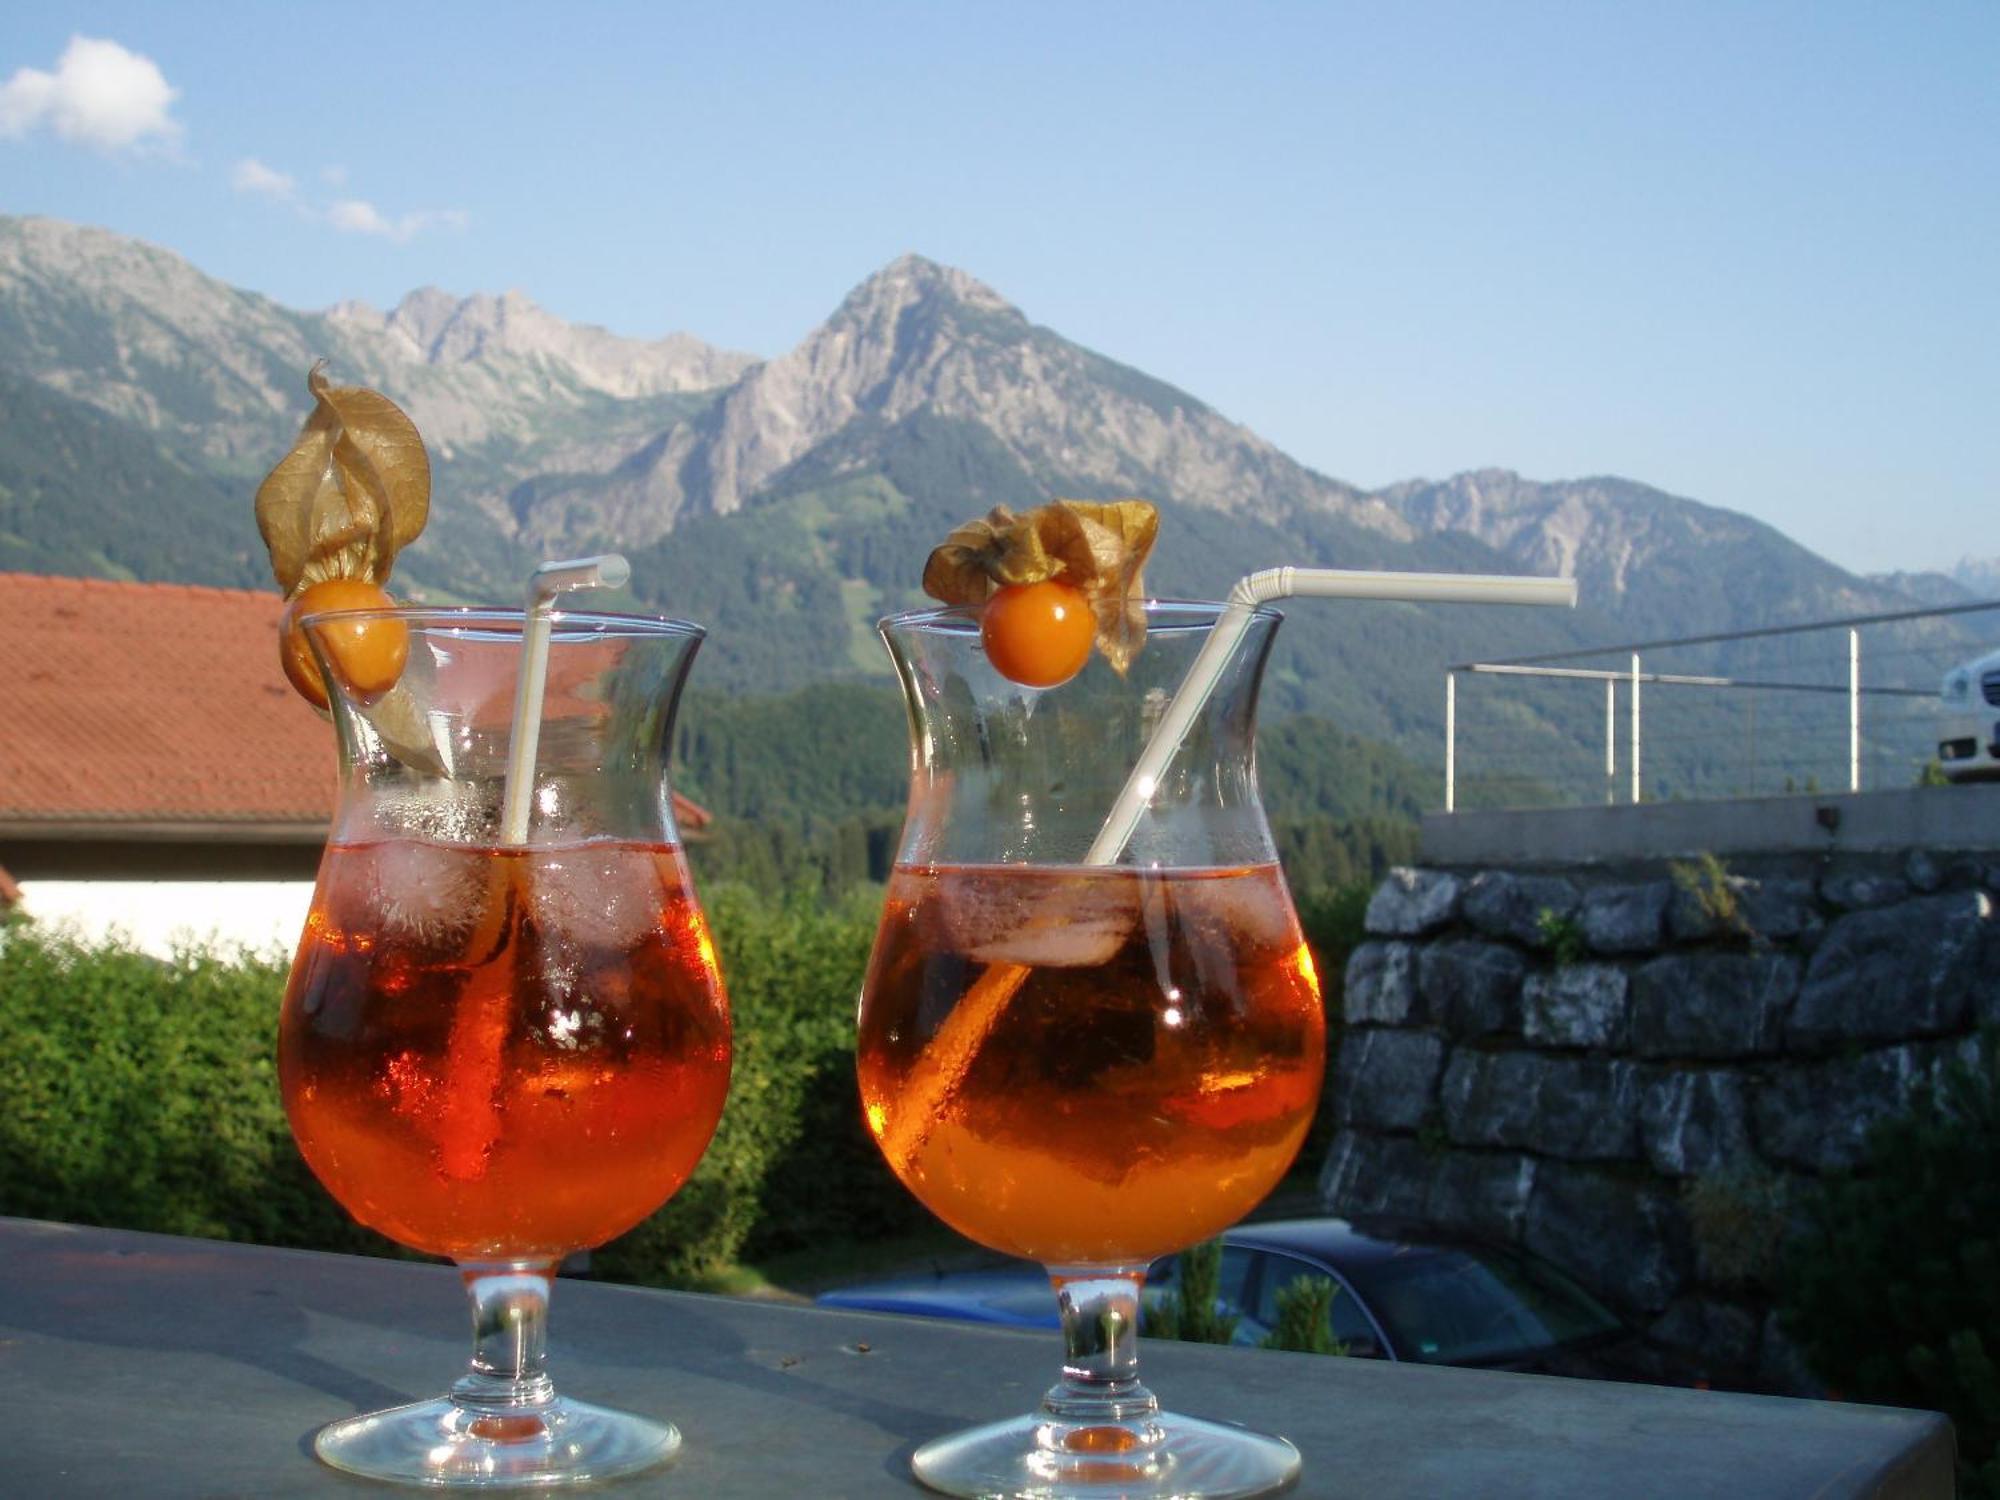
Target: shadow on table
262 1308
188 1296
795 1367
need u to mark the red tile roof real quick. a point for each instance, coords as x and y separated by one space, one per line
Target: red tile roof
157 702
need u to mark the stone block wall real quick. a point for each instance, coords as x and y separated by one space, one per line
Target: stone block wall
1573 1060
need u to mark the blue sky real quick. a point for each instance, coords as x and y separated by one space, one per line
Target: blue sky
1749 253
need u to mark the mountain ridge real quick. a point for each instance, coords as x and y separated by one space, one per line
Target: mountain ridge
434 327
138 331
791 502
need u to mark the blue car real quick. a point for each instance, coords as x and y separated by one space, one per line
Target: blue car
1016 1296
1404 1293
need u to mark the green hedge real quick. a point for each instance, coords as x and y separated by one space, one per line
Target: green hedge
1332 918
143 1094
790 1165
1891 1284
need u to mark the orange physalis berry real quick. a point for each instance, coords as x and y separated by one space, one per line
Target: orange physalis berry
368 655
1038 634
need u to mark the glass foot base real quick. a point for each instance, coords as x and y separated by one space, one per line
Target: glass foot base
1040 1458
445 1445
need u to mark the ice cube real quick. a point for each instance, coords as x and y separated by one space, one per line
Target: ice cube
1041 918
598 895
1247 913
407 890
1065 944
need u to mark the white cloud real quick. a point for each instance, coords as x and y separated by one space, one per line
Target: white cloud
252 176
347 215
99 95
334 176
358 216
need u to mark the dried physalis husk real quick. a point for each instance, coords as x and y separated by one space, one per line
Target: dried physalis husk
1099 548
354 490
352 493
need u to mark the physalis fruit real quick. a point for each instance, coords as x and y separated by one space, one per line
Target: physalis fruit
368 654
1038 634
1053 583
353 492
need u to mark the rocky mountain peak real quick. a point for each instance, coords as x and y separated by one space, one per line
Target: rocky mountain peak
905 319
880 353
910 281
54 249
136 332
922 337
438 328
434 327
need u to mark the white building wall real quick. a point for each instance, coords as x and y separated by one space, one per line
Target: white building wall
161 916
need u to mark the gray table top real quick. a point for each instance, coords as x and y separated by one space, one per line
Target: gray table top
143 1365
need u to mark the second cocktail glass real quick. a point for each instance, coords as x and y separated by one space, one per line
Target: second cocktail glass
499 1046
1089 1066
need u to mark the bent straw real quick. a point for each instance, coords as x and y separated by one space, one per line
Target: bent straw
1258 589
941 1068
608 571
469 1123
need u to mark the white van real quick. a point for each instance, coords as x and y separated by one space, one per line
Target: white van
1969 728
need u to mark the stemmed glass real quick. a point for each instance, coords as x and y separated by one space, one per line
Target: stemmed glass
1088 1065
504 1049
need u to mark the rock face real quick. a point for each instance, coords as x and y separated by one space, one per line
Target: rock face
1471 989
1693 1120
1616 539
1520 908
1583 1005
436 328
1410 903
1712 1004
1381 985
1567 1060
1816 1118
918 336
467 370
1894 971
1625 918
1386 1079
1610 1231
1578 1108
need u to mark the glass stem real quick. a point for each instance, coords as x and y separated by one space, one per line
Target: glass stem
510 1319
1100 1323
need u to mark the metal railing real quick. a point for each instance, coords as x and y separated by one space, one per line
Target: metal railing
1912 651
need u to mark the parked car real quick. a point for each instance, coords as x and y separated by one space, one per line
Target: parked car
1408 1293
1404 1293
1016 1295
1969 720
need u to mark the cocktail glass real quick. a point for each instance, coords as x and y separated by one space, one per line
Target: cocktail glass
1088 1065
504 1052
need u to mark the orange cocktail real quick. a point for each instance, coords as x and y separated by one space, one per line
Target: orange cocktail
506 1037
1149 1079
507 1053
1084 1049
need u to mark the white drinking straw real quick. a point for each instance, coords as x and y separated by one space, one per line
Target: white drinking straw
609 571
1285 583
